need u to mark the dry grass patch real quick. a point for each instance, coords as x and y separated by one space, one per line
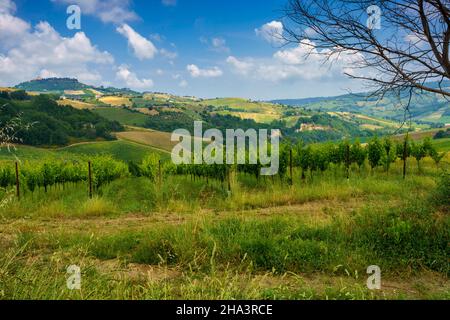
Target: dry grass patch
116 101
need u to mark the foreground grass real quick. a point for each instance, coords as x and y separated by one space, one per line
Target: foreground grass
187 240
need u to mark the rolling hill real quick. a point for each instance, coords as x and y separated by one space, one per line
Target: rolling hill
312 119
425 107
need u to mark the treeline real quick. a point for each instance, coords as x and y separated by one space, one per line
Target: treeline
45 123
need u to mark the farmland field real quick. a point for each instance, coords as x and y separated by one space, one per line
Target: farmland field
121 150
267 240
124 116
116 101
76 104
158 139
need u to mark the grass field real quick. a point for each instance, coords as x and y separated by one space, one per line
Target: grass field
76 104
123 116
157 139
116 101
442 144
185 239
121 150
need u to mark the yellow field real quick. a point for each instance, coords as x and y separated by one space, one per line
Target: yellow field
157 139
116 101
147 111
257 117
7 89
74 92
370 126
76 104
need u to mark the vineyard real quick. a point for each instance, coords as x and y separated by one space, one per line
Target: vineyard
310 160
150 229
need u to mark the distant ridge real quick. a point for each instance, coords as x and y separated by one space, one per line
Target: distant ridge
425 106
52 84
59 85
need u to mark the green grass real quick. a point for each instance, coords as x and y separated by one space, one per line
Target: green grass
24 152
442 145
118 149
121 150
186 239
123 116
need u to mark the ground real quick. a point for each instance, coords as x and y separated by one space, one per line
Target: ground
191 240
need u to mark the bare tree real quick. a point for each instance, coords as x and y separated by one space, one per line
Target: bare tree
408 52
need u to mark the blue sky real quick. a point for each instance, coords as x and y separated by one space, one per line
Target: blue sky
206 48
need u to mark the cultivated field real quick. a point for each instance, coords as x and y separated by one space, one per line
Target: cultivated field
116 101
181 237
76 104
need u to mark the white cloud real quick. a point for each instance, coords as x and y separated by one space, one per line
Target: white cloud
43 51
219 45
169 3
11 27
303 62
131 80
272 32
109 11
183 84
7 7
171 55
142 47
240 66
196 72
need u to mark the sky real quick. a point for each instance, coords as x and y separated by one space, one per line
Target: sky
203 48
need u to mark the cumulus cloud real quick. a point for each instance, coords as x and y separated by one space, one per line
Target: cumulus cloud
272 32
183 84
108 11
304 61
131 80
196 72
42 51
240 66
7 6
11 27
142 47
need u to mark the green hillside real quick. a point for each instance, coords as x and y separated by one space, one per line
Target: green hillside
45 123
52 84
120 150
425 106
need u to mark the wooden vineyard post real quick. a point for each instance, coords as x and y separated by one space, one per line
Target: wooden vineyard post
90 179
159 172
405 155
17 181
347 160
229 181
290 167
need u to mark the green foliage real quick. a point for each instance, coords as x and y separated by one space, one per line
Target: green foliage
375 152
358 154
51 124
441 196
